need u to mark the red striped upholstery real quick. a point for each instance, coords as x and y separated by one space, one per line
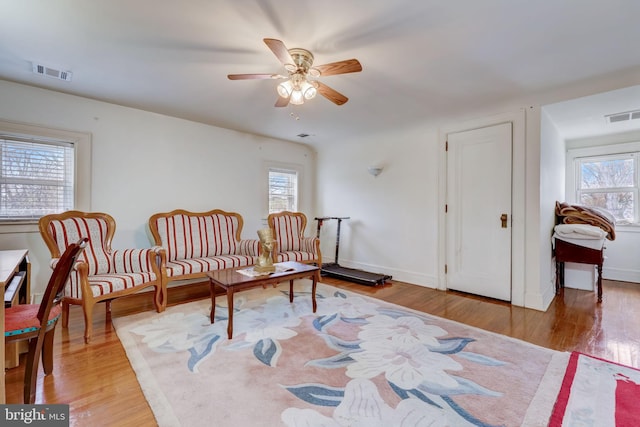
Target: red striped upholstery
103 284
108 272
71 230
295 256
288 232
188 237
201 265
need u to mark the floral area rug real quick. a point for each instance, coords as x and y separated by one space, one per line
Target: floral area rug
357 361
597 392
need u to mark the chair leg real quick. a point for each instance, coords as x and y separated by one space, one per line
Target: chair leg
107 308
160 298
31 370
88 322
47 351
65 314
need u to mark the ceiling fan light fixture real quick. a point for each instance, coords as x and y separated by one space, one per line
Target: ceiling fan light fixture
301 83
297 98
285 88
308 89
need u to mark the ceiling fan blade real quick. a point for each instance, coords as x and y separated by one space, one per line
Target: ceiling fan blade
280 51
340 67
254 76
331 94
282 102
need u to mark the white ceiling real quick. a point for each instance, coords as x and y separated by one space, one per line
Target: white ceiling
423 61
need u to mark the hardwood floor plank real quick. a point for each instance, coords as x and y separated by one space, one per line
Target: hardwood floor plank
100 386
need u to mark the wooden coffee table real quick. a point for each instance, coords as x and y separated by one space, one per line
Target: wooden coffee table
232 281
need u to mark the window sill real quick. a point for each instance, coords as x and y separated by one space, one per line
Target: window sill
628 228
19 227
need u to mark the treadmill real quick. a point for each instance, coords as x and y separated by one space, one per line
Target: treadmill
334 269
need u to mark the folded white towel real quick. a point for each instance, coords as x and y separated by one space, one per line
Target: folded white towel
579 231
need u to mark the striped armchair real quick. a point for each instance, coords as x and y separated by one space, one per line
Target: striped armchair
292 245
101 274
198 242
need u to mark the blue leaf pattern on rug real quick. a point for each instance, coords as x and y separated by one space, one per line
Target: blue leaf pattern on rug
197 357
267 351
405 394
451 345
339 344
321 322
318 394
481 359
338 361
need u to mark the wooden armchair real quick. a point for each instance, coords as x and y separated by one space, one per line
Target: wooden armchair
101 274
291 244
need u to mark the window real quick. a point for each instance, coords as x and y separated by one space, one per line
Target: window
36 177
610 182
283 190
42 171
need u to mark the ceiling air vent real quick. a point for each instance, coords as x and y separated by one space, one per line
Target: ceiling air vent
623 117
45 70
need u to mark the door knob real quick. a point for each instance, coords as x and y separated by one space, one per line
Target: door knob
503 220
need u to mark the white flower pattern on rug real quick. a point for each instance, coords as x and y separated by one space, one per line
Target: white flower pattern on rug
413 357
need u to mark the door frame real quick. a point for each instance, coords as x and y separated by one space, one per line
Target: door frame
518 196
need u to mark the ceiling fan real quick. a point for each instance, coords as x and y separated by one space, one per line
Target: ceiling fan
301 83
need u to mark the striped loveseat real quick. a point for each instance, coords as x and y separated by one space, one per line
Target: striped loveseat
197 242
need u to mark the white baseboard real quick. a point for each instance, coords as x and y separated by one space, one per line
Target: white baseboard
622 275
412 277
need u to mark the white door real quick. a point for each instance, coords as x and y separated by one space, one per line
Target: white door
478 243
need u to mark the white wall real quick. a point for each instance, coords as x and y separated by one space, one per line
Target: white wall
552 189
393 225
143 163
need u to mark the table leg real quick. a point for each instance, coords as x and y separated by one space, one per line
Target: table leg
290 290
230 304
313 291
212 290
599 282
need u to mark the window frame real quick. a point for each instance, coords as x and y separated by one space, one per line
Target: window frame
575 158
81 142
282 167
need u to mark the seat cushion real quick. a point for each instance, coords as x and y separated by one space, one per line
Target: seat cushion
21 319
102 284
295 256
202 265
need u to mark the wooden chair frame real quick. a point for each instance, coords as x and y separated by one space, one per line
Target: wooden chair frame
41 338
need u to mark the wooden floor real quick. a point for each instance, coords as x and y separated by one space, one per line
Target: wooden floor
98 383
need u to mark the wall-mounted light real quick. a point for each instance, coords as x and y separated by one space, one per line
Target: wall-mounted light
374 170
